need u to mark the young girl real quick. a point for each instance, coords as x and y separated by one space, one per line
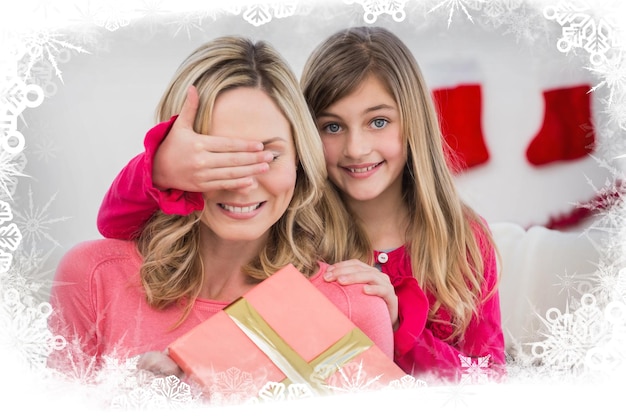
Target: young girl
127 298
385 155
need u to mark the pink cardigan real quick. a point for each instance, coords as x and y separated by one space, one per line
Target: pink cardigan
98 300
419 343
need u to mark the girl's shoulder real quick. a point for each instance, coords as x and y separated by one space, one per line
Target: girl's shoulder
482 233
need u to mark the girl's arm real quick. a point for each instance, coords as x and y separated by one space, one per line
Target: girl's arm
133 198
177 158
420 350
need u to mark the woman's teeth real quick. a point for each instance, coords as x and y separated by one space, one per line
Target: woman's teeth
239 209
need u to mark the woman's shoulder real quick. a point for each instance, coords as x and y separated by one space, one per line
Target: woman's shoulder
349 298
104 248
90 255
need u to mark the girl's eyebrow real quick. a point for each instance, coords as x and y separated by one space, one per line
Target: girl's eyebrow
367 110
378 107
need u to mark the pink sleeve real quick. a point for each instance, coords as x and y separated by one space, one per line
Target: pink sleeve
369 313
418 350
73 313
132 198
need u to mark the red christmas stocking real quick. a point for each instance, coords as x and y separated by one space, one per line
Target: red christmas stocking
567 132
460 119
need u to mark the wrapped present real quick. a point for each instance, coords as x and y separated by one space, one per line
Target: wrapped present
283 330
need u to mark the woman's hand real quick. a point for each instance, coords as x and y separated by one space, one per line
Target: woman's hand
189 161
376 282
159 363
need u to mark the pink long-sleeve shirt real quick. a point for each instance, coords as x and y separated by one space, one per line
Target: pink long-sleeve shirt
420 345
98 300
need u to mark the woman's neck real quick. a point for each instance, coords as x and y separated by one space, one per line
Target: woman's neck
224 279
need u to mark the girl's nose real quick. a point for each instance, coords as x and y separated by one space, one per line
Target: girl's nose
356 145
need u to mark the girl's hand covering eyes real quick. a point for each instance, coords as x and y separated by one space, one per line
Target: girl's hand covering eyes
189 161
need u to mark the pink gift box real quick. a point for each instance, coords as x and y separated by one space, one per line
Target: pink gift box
284 330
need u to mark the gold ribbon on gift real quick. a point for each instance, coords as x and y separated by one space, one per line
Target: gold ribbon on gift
295 368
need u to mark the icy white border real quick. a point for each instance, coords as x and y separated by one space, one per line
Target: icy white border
29 389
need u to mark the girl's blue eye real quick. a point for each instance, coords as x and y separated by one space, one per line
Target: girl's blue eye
379 123
332 128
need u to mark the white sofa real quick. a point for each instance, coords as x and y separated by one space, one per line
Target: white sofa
541 269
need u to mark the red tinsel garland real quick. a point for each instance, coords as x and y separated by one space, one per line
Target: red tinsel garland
603 201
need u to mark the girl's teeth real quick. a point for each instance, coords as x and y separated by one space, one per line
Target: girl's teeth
360 170
238 209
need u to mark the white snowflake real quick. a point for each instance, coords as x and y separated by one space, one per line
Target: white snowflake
279 391
26 274
573 285
35 222
372 9
258 14
42 74
273 391
407 382
187 23
112 15
232 386
177 394
155 394
24 330
496 8
475 370
570 335
15 97
45 150
11 167
352 378
525 26
139 398
610 357
284 9
152 14
612 71
582 30
454 5
46 45
10 237
78 367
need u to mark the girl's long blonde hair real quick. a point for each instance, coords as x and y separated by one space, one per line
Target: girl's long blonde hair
445 252
172 271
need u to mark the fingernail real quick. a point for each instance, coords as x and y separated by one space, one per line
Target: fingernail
327 276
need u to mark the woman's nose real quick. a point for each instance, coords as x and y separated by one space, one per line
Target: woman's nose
253 185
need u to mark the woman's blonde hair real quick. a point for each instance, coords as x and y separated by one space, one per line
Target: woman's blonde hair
309 231
445 254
